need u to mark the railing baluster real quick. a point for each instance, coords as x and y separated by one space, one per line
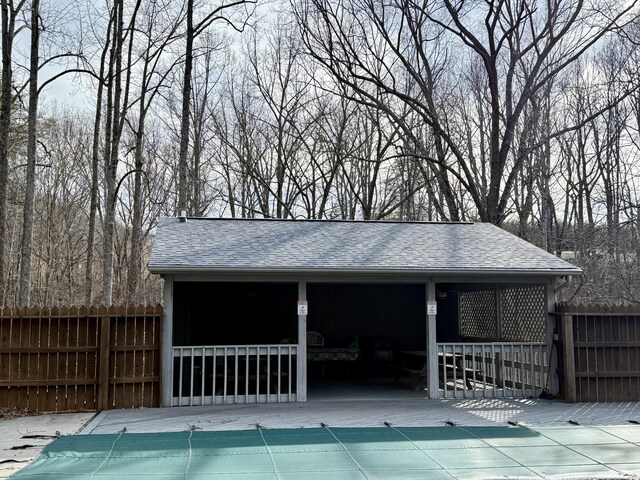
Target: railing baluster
484 370
235 375
215 374
496 371
279 372
446 366
203 371
440 350
503 373
258 355
513 372
522 372
464 372
226 370
539 367
455 371
289 372
545 362
444 369
268 373
533 372
191 371
181 368
473 368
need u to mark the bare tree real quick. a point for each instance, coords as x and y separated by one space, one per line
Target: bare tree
521 47
235 14
117 107
32 117
159 33
8 16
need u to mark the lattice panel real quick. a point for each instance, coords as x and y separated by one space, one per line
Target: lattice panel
524 313
478 314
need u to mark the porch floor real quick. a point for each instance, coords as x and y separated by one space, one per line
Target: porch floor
363 389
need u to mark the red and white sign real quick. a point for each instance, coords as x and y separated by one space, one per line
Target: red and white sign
303 307
432 308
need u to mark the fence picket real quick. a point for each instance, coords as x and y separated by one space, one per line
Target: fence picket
50 358
600 352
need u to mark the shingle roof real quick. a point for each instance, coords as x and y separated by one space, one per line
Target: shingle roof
324 246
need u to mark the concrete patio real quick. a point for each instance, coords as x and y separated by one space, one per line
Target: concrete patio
362 412
558 440
347 437
23 438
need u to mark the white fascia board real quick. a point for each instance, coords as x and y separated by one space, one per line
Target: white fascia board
358 271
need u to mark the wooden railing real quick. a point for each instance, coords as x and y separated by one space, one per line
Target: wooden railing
492 370
210 375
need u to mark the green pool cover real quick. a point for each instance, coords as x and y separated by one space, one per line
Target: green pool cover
347 453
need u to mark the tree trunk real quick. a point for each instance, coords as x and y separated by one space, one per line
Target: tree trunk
135 267
93 208
29 194
5 124
95 160
111 156
186 99
117 114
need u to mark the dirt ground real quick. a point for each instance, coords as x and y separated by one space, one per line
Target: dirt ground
14 412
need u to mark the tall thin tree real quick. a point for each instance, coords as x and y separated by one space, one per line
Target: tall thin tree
32 122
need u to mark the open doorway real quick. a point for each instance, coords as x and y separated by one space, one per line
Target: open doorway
360 331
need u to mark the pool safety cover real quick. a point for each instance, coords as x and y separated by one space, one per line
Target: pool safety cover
386 452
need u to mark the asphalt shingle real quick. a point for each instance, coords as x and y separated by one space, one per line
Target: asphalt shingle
270 245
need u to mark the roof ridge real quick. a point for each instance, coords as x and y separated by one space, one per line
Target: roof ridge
329 220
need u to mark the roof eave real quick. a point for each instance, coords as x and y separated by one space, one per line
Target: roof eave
181 269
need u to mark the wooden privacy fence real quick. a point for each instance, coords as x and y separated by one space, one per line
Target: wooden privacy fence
79 358
599 352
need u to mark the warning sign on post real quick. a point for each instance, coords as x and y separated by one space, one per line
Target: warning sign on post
303 307
432 308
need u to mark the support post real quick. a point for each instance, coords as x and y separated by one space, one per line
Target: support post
569 359
302 346
167 343
103 372
432 346
554 385
499 322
